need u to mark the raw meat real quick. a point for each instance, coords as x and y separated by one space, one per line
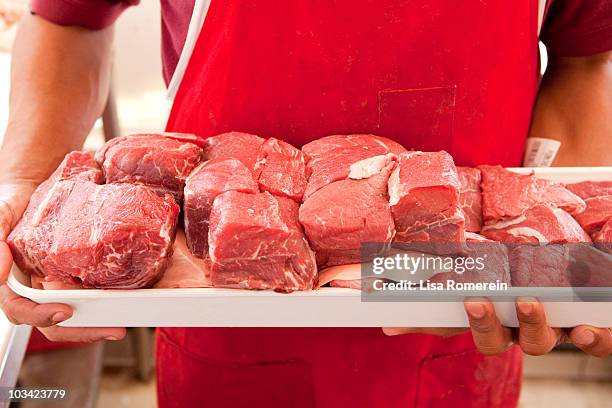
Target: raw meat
589 189
598 198
237 145
155 160
507 194
605 234
331 157
470 198
598 211
103 236
205 183
341 216
424 198
543 266
539 224
560 265
256 243
493 255
75 166
78 166
281 169
603 238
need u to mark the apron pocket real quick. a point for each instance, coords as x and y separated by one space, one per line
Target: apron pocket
185 379
470 379
421 118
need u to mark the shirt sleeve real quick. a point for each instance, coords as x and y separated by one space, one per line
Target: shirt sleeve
575 28
92 14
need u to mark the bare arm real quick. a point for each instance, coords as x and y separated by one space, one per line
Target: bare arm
59 80
59 86
575 106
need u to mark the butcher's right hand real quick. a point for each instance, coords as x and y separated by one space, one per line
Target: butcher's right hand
14 199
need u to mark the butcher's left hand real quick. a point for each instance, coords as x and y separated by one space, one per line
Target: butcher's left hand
533 335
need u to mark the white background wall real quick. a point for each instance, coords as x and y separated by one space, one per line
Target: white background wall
137 71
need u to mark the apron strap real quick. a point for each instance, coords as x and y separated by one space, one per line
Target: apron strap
200 10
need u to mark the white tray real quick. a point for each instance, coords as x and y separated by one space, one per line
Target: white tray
327 307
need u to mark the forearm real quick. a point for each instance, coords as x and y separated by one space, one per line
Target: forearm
575 106
59 83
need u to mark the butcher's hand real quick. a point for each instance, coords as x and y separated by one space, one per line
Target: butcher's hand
13 201
534 335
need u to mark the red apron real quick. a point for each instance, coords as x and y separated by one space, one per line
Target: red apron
431 74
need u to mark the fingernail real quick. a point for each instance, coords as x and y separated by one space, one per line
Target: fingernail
525 308
475 310
585 337
111 338
59 317
525 304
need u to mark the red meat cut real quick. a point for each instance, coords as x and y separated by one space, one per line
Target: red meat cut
598 198
597 213
256 243
103 236
340 216
281 169
494 256
75 166
506 194
205 183
424 198
331 157
539 224
589 189
158 161
470 198
603 238
565 265
237 145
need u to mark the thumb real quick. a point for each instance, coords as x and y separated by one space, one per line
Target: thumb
6 261
14 198
6 220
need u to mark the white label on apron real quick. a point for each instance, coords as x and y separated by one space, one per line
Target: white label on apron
540 152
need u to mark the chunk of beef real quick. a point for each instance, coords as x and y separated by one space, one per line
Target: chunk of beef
331 157
205 183
506 194
237 145
154 160
539 224
281 169
104 236
424 198
256 243
470 197
342 215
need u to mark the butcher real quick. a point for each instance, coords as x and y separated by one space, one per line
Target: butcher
459 76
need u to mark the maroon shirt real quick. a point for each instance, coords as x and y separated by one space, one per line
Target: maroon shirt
571 27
